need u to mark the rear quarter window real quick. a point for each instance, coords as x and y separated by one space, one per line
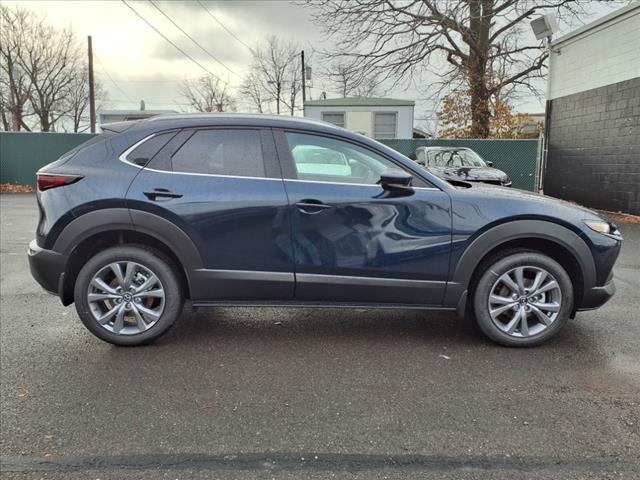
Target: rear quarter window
144 153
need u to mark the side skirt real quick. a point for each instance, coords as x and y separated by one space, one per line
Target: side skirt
298 304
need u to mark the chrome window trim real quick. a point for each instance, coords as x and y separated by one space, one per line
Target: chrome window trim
123 159
353 184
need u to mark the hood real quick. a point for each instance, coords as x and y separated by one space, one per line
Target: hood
544 202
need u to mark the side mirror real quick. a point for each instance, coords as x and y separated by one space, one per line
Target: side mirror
396 181
489 163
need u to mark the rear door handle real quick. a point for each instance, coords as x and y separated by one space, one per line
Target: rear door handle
161 194
311 206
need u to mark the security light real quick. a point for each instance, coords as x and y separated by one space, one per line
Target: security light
544 26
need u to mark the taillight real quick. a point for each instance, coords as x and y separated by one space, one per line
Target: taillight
53 180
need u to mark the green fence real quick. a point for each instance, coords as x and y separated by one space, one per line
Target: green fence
517 158
23 153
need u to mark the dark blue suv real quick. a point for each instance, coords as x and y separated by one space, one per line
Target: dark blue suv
262 210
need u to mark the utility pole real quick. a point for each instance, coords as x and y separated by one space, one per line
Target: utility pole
92 93
304 85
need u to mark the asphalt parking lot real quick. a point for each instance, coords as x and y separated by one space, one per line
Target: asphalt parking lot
312 393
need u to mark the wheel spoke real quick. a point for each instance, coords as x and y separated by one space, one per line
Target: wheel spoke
506 279
501 300
159 293
128 275
546 287
547 307
142 325
524 325
117 271
497 311
541 315
147 283
537 281
118 325
148 313
109 315
511 326
101 284
99 297
520 279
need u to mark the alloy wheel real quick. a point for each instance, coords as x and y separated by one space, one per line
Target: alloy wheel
126 298
524 301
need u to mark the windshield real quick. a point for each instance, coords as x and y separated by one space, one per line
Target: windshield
454 158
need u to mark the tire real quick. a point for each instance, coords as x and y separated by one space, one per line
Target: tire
546 309
139 313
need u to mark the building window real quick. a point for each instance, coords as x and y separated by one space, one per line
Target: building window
385 125
337 118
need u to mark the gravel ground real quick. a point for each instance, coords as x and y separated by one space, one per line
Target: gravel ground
312 393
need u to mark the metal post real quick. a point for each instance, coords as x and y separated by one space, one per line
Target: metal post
304 85
547 120
92 97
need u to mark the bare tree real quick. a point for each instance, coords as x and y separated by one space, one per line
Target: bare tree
207 94
349 80
15 86
275 76
75 102
253 90
461 41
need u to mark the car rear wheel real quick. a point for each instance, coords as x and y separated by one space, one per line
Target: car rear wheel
128 295
522 299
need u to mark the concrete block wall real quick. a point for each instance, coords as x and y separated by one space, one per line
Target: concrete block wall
594 147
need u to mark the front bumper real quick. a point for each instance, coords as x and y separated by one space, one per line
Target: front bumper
595 297
47 267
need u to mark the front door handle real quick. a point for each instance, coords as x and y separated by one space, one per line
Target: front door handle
161 194
311 206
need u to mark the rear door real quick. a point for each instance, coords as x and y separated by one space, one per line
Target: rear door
223 187
353 241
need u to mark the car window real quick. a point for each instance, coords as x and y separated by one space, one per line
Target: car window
143 153
327 159
221 152
471 158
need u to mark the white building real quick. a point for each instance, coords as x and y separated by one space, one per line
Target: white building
377 118
594 114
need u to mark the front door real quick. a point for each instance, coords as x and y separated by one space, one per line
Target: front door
353 241
223 187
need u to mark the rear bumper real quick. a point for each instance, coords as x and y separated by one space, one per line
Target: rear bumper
595 297
47 267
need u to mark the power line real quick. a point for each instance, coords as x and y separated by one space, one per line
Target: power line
173 44
104 70
223 26
191 38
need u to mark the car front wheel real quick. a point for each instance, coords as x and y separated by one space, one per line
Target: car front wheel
522 298
128 295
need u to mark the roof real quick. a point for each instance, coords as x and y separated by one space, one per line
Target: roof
360 102
442 147
134 112
634 5
239 118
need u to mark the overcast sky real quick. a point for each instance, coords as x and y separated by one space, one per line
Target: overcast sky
142 65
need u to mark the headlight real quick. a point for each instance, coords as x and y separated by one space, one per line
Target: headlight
598 226
506 181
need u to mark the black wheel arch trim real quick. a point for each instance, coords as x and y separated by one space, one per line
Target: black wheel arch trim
516 230
111 219
114 219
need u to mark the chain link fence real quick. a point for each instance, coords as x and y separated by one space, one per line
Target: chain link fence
22 154
517 158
